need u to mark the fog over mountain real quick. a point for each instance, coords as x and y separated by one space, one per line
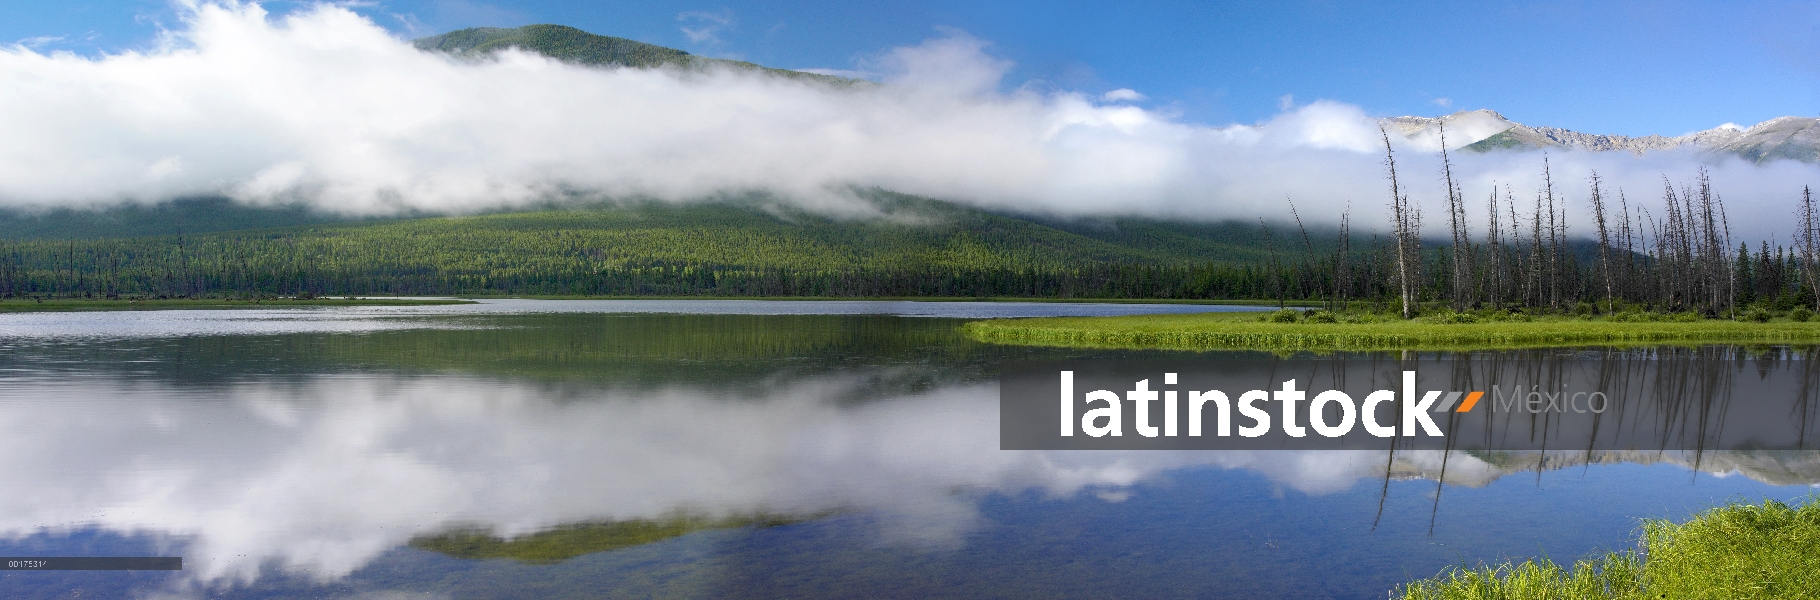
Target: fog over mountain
325 108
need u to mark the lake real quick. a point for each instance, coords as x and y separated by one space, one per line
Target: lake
714 448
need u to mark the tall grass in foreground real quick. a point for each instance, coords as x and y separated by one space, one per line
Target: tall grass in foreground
1733 552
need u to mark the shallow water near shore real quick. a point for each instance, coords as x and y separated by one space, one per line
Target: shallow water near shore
550 449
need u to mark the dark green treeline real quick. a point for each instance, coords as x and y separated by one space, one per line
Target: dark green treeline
165 267
917 249
936 250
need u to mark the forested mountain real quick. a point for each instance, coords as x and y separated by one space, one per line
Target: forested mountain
576 46
751 246
758 246
183 215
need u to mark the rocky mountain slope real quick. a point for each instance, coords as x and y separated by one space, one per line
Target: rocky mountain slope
1795 138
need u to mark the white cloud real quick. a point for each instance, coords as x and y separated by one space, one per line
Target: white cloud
954 65
704 27
1442 102
40 41
1122 95
324 106
412 25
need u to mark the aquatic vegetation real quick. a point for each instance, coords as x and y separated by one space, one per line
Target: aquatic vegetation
1287 315
569 541
1738 551
1321 316
1443 330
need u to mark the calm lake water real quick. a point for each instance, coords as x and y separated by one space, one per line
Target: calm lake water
558 449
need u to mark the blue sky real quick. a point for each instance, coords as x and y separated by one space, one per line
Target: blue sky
1605 67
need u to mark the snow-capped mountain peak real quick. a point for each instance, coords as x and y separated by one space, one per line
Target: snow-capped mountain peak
1796 138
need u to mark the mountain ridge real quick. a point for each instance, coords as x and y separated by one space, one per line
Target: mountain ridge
572 45
1484 130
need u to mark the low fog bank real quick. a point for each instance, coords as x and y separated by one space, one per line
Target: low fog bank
323 108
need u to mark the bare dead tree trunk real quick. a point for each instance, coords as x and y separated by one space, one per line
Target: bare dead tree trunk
1342 270
1276 269
1691 247
1805 242
1518 265
1724 240
1405 225
1598 204
1494 248
1660 262
1554 239
1307 244
1627 247
1710 261
1712 241
1537 259
1384 264
1462 242
1677 274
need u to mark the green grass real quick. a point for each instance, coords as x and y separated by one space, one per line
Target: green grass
1242 331
1736 552
14 305
900 299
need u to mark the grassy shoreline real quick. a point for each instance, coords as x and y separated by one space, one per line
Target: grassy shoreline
1244 331
1257 303
19 305
1738 551
11 305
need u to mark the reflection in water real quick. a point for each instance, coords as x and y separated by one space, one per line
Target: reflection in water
292 455
321 475
569 541
153 324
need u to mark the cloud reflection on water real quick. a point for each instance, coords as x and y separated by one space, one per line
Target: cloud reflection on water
320 475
